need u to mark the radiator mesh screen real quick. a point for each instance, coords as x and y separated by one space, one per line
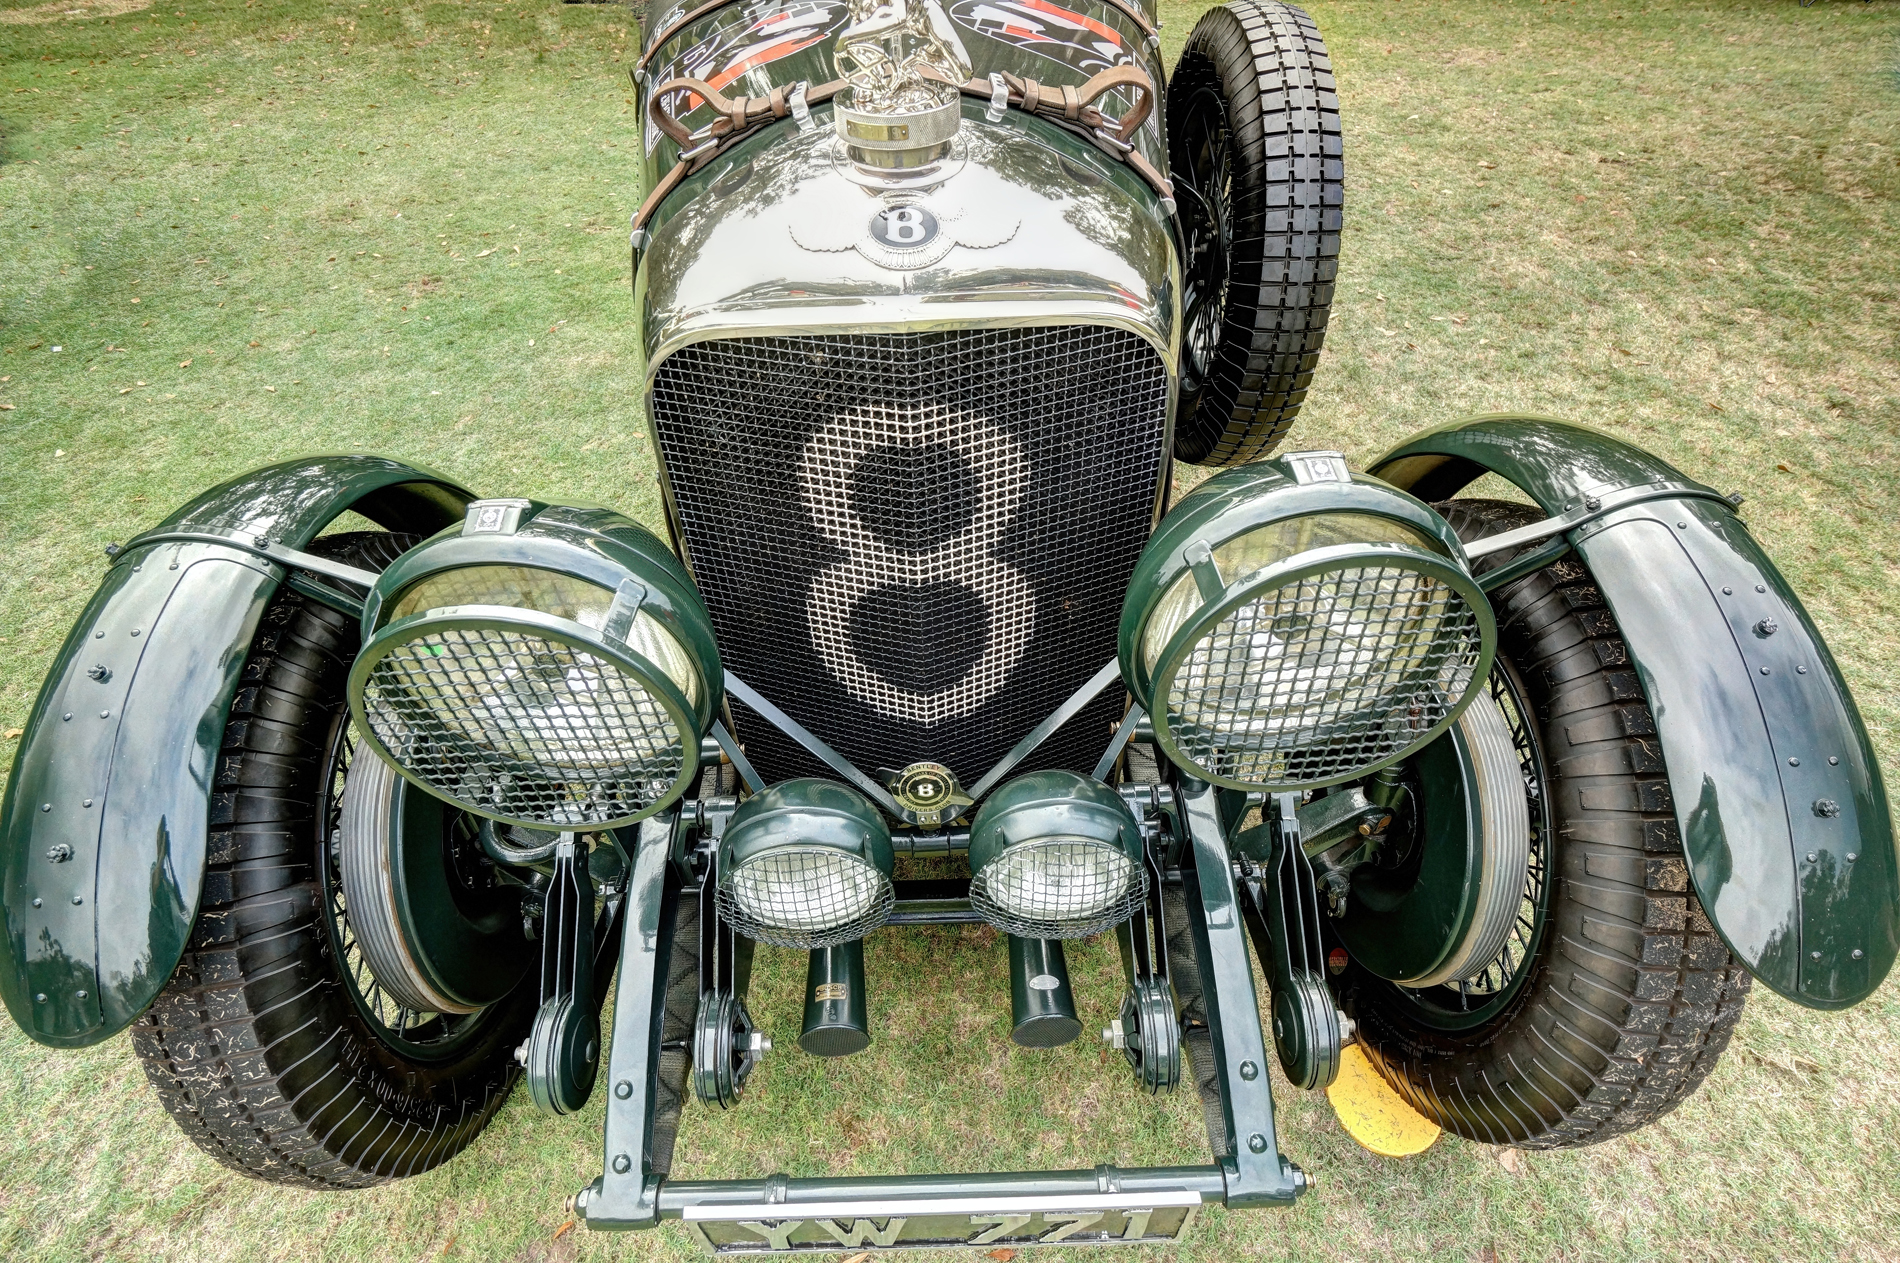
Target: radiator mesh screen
916 544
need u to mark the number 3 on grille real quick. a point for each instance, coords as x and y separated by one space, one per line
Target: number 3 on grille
968 559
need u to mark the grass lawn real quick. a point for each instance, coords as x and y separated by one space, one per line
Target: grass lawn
235 232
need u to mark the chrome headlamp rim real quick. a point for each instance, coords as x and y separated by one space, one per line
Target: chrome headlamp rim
1331 559
564 631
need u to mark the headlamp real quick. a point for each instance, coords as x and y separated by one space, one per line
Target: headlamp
1291 625
551 667
1055 855
806 863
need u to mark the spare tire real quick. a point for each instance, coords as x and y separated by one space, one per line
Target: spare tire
1255 154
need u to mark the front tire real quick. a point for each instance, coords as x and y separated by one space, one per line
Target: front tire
1623 997
270 1047
1254 149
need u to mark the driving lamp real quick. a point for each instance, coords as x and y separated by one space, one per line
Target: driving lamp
1055 855
546 666
1292 625
806 863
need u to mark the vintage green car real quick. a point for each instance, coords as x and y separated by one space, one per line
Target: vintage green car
354 795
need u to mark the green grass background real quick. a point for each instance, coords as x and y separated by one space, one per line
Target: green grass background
260 229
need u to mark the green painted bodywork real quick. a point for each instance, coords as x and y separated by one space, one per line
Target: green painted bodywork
1779 800
808 812
123 789
1050 804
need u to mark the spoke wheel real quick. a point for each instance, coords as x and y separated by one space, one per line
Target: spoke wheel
1612 997
417 1032
271 1046
1476 998
1207 207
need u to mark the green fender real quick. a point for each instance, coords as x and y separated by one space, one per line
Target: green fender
103 831
1774 785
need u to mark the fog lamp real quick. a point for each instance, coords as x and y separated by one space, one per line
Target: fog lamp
1055 855
1291 625
806 863
546 666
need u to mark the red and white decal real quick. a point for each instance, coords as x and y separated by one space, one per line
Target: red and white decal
762 34
1046 29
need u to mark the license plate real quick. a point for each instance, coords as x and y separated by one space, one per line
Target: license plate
948 1223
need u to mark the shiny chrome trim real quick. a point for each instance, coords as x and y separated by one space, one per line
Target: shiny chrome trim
878 1208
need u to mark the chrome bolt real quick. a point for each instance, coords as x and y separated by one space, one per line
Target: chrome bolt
622 1164
80 994
521 1055
1760 588
1794 762
1249 1071
1257 1143
1855 953
40 998
78 899
623 1089
1852 856
1767 627
1812 857
1814 956
761 1043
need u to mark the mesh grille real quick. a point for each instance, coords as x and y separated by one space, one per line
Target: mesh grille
1325 676
805 897
916 544
1058 888
522 726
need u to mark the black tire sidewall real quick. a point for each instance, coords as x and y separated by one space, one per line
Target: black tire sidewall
1267 62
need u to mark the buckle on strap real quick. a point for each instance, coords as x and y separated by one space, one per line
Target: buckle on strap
801 112
999 98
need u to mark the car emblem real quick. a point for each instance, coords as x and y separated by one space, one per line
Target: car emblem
904 227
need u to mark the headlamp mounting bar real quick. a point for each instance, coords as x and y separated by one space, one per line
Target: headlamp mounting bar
1059 716
1592 508
799 733
258 546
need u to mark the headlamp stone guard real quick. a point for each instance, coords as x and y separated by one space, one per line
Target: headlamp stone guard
548 627
1218 604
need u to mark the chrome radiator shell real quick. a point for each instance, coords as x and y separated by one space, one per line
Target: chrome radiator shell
1027 350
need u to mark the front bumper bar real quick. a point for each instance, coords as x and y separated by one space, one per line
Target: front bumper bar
1008 1208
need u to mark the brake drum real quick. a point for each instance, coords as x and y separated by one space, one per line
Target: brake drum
1447 910
437 931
